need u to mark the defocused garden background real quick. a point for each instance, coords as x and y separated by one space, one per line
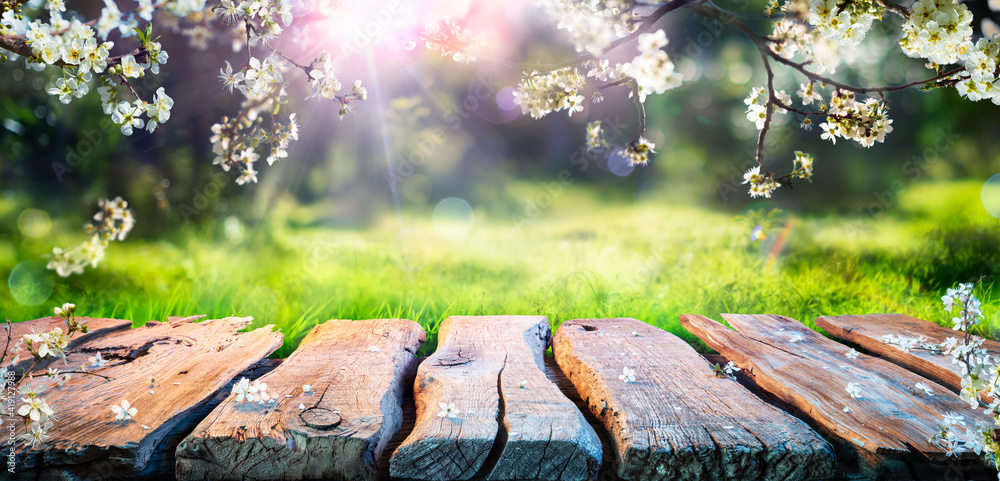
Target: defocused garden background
494 212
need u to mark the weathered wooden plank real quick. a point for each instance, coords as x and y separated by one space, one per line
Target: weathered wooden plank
162 462
357 371
677 420
867 331
492 369
189 362
96 327
811 373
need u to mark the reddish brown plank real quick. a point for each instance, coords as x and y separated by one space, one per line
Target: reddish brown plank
357 371
810 372
512 422
189 361
867 331
678 421
96 327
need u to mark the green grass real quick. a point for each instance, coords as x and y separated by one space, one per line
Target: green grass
585 258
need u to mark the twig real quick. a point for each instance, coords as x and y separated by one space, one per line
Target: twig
894 8
7 329
642 112
646 24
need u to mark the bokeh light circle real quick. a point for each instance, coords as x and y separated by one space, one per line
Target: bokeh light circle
453 218
409 249
34 223
991 195
618 164
30 283
233 229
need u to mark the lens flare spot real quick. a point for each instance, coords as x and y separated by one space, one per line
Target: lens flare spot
30 283
34 223
453 218
234 229
618 164
991 195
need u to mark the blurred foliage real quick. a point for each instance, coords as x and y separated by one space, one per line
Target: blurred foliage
950 253
640 260
345 227
441 126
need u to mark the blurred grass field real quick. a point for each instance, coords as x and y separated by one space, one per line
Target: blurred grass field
584 256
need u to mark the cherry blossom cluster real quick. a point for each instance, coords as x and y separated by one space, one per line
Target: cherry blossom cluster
539 94
980 378
35 412
239 142
268 16
864 122
844 21
803 166
652 69
981 64
452 40
938 30
906 344
969 308
757 107
637 152
324 78
235 141
595 136
111 223
255 392
761 184
594 25
81 50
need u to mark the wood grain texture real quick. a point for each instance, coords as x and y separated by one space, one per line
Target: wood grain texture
189 361
502 430
867 331
358 372
677 420
810 372
96 327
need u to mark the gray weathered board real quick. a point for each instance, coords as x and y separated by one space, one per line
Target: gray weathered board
167 371
677 420
512 422
357 372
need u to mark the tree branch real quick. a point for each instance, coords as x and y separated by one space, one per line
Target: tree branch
761 42
894 8
646 24
768 114
642 112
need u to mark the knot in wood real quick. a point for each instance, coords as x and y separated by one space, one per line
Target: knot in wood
453 361
321 419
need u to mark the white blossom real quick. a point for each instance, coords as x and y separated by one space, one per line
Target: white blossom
448 410
854 390
123 412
